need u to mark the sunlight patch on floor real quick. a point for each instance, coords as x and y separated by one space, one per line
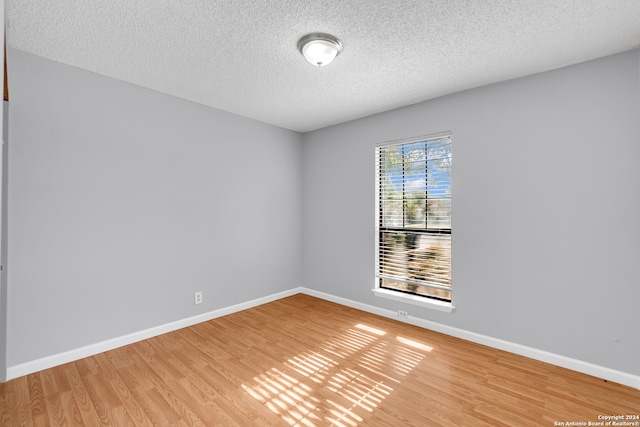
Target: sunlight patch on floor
346 379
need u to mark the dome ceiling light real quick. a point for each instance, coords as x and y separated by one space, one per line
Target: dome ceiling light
319 49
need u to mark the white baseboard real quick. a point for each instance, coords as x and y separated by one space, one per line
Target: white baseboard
544 356
533 353
93 349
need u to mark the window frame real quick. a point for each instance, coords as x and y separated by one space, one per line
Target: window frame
399 295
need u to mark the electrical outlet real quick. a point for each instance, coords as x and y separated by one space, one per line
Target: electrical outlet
197 297
403 314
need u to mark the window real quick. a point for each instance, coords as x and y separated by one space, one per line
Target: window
413 225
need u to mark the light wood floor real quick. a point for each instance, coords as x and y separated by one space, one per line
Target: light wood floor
307 362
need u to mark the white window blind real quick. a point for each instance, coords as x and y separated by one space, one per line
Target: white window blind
413 227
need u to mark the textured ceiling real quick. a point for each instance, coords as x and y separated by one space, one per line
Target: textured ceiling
241 56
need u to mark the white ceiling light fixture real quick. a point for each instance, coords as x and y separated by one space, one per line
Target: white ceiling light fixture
319 49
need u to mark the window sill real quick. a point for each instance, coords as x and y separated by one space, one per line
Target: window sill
447 307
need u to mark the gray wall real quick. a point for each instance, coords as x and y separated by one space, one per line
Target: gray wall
123 202
546 209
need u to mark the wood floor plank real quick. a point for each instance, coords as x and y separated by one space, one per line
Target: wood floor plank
16 399
302 361
5 414
55 411
37 406
148 408
81 396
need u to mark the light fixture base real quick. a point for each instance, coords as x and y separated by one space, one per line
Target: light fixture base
319 49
